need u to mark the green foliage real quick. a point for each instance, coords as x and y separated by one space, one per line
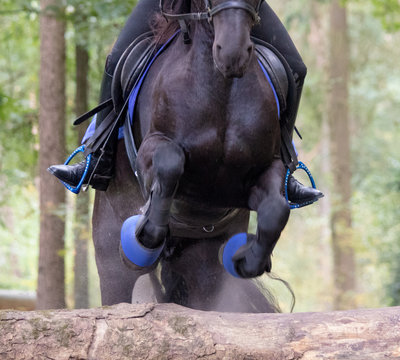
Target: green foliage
18 108
374 100
389 12
97 22
8 7
18 147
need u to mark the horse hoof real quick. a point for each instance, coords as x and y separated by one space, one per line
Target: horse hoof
230 249
132 249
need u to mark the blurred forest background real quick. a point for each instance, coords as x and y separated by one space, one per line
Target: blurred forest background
342 252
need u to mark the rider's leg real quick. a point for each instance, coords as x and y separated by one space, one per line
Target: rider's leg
271 30
137 24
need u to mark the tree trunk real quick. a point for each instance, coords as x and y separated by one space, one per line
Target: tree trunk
343 251
50 291
167 331
82 216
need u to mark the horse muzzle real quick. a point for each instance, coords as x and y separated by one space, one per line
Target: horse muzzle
231 62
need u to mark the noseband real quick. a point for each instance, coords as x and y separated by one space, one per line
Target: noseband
210 12
234 4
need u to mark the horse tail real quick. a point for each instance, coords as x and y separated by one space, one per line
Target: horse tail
267 292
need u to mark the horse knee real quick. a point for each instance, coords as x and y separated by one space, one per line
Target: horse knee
168 164
168 161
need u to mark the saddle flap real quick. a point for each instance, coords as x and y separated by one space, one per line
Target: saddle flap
129 68
276 72
134 65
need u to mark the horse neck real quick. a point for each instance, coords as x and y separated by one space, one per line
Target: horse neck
201 31
202 38
202 34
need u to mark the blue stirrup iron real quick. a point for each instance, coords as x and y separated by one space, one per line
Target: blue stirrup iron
308 172
77 189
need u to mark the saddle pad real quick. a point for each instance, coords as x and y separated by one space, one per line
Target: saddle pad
137 57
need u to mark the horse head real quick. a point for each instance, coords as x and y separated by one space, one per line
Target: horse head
232 48
232 21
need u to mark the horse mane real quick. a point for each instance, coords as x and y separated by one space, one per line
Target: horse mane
162 28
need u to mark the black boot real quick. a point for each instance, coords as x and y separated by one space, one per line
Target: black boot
299 194
72 174
296 191
101 168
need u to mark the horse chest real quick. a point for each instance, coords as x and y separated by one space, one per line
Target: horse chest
228 130
236 146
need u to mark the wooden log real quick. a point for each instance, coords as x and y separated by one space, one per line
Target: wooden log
167 331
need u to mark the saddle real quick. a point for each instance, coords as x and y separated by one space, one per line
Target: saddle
132 64
131 71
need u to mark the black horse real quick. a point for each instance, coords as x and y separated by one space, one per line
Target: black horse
208 127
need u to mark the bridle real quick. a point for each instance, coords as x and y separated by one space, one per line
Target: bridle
210 13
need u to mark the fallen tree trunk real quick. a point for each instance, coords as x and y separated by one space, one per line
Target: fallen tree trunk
167 331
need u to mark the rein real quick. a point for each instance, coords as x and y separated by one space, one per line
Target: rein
210 13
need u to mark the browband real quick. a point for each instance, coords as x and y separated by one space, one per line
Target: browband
211 11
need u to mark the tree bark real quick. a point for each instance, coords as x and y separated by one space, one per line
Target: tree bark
50 291
167 331
82 212
341 223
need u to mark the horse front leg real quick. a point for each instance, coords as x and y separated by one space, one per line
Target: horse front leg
160 165
248 255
